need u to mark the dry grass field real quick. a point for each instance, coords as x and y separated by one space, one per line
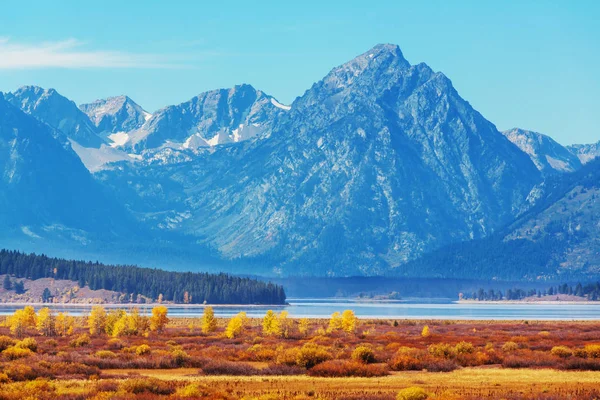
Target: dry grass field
127 356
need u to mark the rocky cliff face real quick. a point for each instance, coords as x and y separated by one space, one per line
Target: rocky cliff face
547 155
376 164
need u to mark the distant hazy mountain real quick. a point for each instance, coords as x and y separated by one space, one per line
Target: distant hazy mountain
115 114
376 164
69 122
45 190
48 106
585 152
547 155
216 117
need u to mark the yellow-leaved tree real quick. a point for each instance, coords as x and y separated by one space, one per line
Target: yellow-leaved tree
97 320
21 320
124 326
235 326
16 323
209 322
335 323
284 324
30 316
111 319
349 321
139 322
270 324
159 319
64 324
46 322
425 332
303 326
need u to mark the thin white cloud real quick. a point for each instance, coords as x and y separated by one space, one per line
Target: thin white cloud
71 53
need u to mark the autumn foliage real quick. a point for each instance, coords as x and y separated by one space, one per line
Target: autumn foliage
37 344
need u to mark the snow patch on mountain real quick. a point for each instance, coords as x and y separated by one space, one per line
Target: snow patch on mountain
96 159
118 139
279 105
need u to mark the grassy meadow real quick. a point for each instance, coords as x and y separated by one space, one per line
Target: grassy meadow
125 355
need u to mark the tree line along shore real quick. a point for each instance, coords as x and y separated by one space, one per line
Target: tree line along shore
133 284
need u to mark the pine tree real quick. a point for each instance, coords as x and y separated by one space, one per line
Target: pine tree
7 284
19 287
46 295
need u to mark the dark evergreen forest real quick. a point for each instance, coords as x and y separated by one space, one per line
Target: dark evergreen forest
178 287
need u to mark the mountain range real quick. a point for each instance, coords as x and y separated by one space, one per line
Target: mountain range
381 167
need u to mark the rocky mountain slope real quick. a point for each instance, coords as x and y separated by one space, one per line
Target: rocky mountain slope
547 155
376 164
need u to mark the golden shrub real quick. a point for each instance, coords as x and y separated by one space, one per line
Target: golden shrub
312 354
80 341
142 350
105 354
592 350
363 353
464 348
561 351
412 393
14 353
509 347
27 343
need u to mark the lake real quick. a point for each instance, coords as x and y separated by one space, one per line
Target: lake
411 309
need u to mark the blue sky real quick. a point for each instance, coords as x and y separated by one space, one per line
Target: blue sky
531 64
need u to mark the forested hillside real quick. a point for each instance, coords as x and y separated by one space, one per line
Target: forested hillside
178 287
555 240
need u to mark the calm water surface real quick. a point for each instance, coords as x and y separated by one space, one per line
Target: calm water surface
413 309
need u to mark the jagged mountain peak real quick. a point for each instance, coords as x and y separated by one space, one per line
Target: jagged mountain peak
585 152
377 63
116 114
32 96
62 114
548 155
211 118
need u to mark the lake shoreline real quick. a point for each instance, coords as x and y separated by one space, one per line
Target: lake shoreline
530 302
